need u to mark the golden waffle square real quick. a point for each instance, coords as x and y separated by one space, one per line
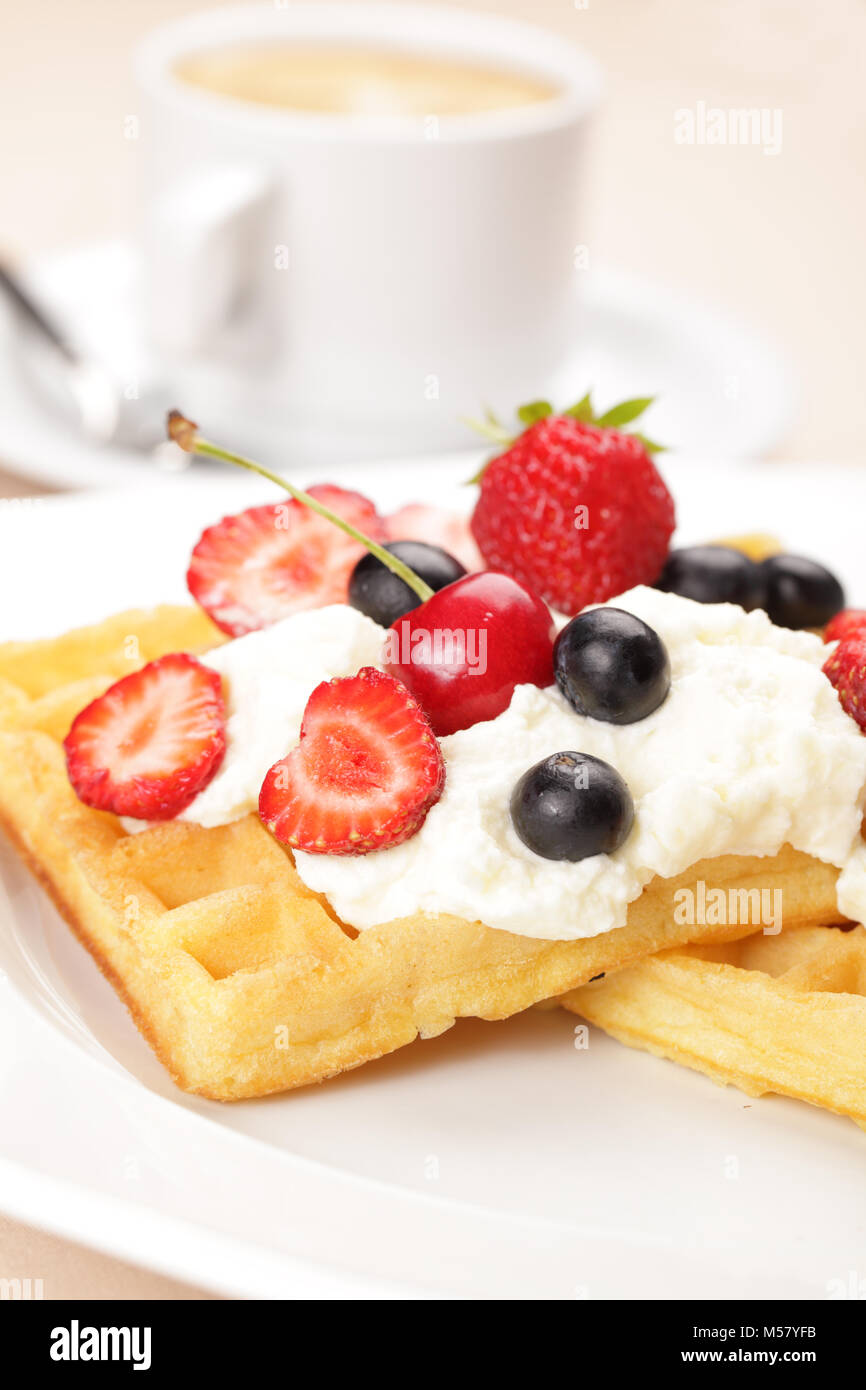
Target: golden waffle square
241 978
784 1014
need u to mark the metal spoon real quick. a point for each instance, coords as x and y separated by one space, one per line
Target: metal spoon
104 413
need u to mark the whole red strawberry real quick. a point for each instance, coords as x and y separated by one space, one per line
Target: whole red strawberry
846 670
575 509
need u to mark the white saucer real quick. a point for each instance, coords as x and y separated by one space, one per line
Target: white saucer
721 391
497 1161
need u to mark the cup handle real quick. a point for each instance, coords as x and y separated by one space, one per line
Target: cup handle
201 256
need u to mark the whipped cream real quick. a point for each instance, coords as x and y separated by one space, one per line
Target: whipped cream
751 750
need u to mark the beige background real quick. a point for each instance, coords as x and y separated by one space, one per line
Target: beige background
778 240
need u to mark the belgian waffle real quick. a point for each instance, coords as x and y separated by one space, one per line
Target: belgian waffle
241 978
785 1013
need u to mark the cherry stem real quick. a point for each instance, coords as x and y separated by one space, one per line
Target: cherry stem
185 433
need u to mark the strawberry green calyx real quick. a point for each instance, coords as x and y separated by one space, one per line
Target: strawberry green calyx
616 417
185 433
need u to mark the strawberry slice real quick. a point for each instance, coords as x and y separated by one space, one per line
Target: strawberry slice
846 670
152 742
436 526
252 569
364 775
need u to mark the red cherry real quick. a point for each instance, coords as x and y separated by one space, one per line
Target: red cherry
463 651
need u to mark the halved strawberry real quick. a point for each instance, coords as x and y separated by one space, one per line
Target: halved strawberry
364 775
436 526
846 670
152 742
252 569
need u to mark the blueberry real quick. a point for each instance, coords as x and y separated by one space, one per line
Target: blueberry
713 574
571 806
800 592
384 597
612 666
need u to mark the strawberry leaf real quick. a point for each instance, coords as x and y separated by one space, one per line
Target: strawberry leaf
649 444
489 429
476 477
492 419
582 410
535 410
624 413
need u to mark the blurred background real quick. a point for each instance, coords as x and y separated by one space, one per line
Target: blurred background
773 240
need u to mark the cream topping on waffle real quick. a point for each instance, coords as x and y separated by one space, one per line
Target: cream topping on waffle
751 750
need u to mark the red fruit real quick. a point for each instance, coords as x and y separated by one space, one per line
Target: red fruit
252 569
463 651
152 742
846 670
364 775
846 624
435 526
577 512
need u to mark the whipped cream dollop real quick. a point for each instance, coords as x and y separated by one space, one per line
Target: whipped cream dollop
751 750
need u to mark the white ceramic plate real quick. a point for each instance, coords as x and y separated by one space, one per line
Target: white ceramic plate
720 389
497 1161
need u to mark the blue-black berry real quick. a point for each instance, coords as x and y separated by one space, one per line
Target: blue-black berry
800 592
572 806
714 574
383 596
611 665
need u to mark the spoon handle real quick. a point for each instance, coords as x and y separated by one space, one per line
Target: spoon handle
14 290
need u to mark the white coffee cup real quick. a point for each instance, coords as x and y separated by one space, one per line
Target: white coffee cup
334 286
